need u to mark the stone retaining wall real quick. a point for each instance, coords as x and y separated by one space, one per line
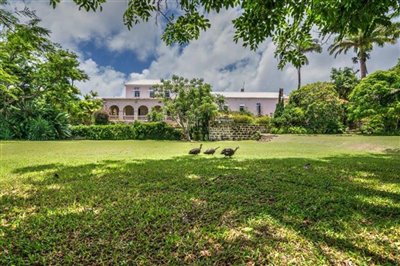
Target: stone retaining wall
235 131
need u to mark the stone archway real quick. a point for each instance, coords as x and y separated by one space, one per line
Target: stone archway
128 113
114 110
143 110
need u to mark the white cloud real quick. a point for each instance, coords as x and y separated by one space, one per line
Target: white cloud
211 55
214 56
105 80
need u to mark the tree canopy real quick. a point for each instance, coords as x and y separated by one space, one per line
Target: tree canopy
190 103
285 20
375 101
38 97
314 108
363 41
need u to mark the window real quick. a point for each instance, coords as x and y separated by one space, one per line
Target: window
137 92
167 94
152 94
258 109
242 108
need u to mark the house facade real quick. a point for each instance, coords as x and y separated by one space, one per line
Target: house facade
139 99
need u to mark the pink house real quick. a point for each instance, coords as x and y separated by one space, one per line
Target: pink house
138 100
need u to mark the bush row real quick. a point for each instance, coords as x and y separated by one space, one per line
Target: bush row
137 130
244 118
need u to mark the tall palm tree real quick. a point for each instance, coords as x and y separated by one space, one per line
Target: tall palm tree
303 48
294 53
363 42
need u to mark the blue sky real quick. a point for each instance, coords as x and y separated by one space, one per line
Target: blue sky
112 55
123 61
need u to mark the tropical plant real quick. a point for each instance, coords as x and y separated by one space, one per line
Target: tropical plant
295 53
363 41
37 84
375 102
40 129
344 80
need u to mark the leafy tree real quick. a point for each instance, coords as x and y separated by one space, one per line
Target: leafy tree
376 101
37 84
287 20
190 104
315 107
294 53
363 40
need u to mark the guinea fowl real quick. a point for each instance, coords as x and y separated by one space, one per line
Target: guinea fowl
211 151
228 152
196 151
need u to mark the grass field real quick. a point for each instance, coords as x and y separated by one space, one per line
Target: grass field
148 202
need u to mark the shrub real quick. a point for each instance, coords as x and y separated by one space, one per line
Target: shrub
137 130
297 130
40 129
242 119
58 122
5 132
100 118
376 102
263 120
315 107
277 130
373 125
256 136
156 116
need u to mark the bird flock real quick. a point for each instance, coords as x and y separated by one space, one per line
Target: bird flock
228 152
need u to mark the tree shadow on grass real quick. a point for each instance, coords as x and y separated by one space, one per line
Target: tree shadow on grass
206 211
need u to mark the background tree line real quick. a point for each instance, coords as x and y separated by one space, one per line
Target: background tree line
370 105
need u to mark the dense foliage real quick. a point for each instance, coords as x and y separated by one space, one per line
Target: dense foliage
38 98
314 108
156 115
137 130
376 102
190 104
101 117
344 80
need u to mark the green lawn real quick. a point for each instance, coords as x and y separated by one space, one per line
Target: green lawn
148 202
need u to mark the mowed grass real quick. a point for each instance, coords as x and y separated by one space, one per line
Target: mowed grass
149 203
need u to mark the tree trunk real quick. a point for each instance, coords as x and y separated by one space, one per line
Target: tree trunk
298 77
363 66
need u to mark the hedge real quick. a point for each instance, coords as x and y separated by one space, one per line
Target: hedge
137 130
